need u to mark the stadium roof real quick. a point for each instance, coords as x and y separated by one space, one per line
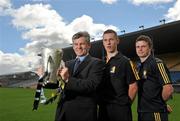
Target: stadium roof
166 39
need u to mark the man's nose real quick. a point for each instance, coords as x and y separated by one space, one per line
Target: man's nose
78 46
140 48
108 42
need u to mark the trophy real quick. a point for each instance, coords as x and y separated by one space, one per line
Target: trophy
52 60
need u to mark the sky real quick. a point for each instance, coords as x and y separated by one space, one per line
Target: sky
27 26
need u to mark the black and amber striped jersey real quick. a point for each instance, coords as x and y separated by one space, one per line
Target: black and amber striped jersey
119 73
154 74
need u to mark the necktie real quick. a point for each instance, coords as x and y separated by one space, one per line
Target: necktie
77 63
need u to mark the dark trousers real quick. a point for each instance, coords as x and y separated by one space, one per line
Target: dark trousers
152 116
75 112
114 112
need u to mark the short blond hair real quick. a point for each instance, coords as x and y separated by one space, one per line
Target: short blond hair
146 39
111 31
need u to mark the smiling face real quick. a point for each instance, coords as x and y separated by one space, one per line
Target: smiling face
81 46
110 42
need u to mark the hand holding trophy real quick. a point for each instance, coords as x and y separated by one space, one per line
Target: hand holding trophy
52 61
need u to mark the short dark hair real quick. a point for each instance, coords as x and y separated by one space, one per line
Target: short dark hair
81 34
111 31
146 39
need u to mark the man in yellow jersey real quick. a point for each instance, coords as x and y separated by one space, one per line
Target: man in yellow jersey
119 87
154 86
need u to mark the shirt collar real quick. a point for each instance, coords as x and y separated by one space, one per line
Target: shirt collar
148 59
117 56
81 58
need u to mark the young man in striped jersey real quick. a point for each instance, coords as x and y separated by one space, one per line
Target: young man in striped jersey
155 86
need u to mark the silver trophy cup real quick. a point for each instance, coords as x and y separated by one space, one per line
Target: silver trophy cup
52 60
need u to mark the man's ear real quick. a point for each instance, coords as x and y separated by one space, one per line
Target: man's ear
118 40
89 46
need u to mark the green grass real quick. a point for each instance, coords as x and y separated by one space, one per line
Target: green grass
174 103
16 105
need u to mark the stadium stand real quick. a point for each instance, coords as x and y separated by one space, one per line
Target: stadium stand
23 79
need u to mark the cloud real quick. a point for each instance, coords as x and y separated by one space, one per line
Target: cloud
59 36
4 4
5 7
85 23
26 17
109 1
139 2
13 62
47 29
44 30
173 13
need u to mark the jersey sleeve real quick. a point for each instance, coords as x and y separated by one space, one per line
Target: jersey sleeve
164 75
132 74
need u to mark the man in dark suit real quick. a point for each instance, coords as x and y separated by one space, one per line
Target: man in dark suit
81 76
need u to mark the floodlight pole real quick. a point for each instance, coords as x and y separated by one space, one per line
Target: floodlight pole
162 21
142 26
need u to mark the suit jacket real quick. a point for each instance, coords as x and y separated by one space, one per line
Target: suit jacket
79 103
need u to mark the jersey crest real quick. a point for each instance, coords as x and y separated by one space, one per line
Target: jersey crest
113 69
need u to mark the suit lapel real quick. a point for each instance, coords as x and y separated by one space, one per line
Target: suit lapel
71 67
83 64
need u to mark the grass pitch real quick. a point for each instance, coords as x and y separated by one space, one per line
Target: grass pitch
16 105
